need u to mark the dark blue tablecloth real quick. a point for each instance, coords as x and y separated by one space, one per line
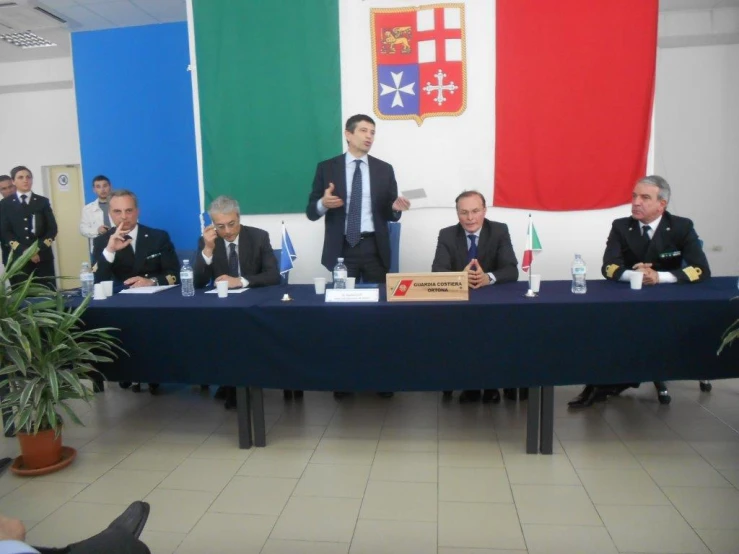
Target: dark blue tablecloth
497 339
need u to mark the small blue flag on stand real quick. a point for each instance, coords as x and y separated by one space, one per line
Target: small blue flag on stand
287 255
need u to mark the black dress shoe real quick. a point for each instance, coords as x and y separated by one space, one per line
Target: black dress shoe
298 394
490 395
469 396
154 388
509 394
136 387
523 394
385 394
447 394
204 388
132 520
584 399
124 384
338 395
287 394
220 393
664 397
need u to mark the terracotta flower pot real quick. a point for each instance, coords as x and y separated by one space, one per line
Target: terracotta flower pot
41 450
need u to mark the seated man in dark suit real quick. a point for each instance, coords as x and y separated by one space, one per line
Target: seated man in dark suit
241 255
133 254
483 249
662 246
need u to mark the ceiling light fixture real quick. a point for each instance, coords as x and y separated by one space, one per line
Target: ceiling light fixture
27 39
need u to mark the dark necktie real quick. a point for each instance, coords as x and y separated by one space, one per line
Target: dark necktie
354 219
472 252
233 261
645 233
23 200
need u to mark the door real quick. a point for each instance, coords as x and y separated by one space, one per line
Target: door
67 199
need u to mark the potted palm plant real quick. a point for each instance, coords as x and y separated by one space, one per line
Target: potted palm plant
45 353
730 335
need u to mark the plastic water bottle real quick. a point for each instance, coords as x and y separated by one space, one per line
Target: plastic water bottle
186 279
579 284
340 274
87 280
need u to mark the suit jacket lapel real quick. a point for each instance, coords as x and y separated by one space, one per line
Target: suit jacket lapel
244 251
656 245
142 240
374 178
339 176
483 244
634 237
461 246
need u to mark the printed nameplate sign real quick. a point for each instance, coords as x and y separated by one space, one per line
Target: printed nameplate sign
438 287
352 295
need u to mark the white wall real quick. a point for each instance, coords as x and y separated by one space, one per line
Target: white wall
697 144
38 126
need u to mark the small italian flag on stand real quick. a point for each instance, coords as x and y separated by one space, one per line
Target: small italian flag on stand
532 245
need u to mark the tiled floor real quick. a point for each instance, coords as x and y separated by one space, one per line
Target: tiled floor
410 474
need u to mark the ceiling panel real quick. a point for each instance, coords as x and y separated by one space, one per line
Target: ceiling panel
122 13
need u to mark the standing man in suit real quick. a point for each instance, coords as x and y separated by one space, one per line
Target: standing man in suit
95 218
238 254
6 189
134 254
662 246
483 249
358 196
27 218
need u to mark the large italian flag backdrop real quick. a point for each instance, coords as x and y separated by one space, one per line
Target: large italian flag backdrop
538 104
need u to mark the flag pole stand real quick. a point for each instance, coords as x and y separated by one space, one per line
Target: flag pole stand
530 293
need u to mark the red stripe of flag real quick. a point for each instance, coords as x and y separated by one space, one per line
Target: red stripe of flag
574 90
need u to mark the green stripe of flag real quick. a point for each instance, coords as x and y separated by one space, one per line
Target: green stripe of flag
270 98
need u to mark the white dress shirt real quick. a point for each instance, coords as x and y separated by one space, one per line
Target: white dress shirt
367 225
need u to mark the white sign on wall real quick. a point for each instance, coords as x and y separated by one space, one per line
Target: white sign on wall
63 182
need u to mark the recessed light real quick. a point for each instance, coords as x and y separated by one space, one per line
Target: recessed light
27 39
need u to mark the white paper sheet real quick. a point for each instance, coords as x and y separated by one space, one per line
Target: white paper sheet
230 291
147 290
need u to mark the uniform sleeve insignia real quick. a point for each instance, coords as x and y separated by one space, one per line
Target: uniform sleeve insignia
693 273
94 268
48 242
14 244
611 270
171 279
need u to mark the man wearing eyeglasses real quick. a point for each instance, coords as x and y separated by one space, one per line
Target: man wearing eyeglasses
238 254
229 251
483 249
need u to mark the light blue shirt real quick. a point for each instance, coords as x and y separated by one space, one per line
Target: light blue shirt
367 225
16 547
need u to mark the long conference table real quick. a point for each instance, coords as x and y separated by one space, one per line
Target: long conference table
498 338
